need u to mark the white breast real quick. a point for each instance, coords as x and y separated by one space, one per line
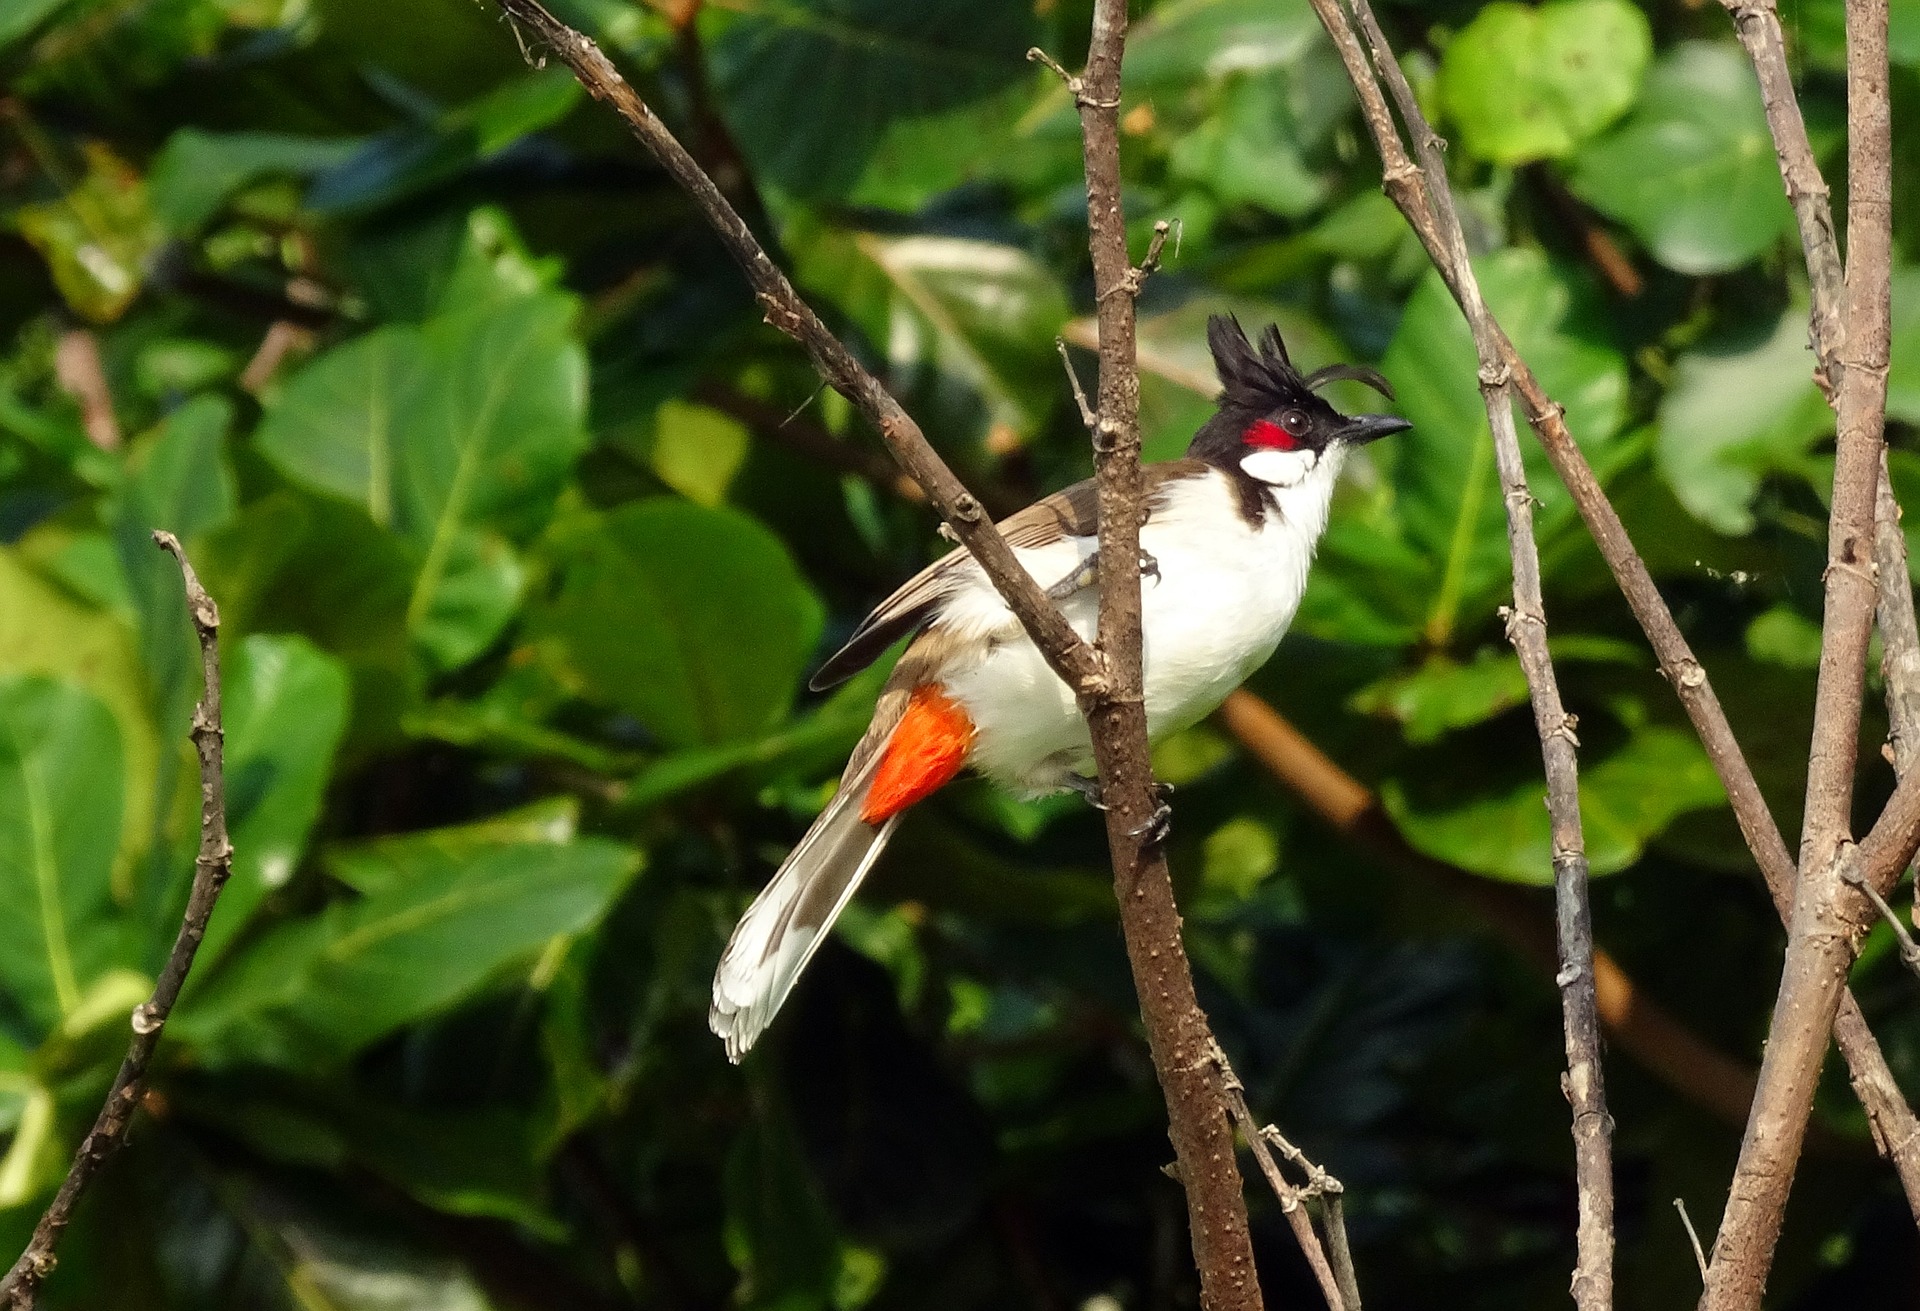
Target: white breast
1225 595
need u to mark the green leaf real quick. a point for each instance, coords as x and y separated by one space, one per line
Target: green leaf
1248 150
694 620
384 864
318 990
97 238
196 171
1627 797
770 62
697 451
284 705
1692 171
1903 363
478 592
1526 84
1447 495
1444 694
779 1234
968 326
20 17
60 800
1734 415
44 630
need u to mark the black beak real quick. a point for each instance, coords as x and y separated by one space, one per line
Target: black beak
1371 428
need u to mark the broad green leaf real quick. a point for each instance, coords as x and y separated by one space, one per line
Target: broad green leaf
1501 829
1903 363
383 864
1783 636
694 620
1733 416
318 990
20 17
891 61
196 171
696 451
1692 170
1526 83
97 237
60 801
1248 150
478 592
45 630
1447 493
1444 694
284 705
1186 41
968 326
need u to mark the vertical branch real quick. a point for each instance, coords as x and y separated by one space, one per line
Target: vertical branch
1829 915
1178 1034
21 1287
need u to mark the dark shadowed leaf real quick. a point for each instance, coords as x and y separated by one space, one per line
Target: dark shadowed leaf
889 61
196 171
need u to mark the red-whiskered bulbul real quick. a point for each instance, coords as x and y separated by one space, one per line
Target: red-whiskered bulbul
1229 534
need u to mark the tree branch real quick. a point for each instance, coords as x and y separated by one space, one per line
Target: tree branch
21 1287
1106 682
1178 1035
1583 1083
1829 915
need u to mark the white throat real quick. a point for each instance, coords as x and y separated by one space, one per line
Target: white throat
1301 481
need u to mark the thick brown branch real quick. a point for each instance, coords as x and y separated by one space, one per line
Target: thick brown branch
1829 916
21 1287
1074 660
1178 1034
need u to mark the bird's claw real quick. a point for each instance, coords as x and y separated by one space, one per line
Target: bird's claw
1156 829
1089 573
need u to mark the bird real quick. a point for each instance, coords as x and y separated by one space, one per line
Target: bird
1229 533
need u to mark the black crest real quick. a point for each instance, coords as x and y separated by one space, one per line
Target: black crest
1264 380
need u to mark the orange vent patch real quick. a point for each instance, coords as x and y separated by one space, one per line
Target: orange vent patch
928 748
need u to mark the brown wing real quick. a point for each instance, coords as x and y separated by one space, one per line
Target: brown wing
1071 512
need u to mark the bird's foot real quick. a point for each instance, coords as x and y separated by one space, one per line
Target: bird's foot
1159 825
1089 572
1088 788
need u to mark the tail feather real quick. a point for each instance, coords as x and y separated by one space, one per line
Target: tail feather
789 920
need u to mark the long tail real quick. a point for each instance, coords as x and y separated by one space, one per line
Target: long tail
919 739
789 920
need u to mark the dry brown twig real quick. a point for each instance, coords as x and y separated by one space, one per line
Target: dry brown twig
1106 678
21 1287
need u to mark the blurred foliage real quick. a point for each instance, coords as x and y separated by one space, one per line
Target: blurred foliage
486 454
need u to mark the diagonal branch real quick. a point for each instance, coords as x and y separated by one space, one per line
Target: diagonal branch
1584 1083
1830 915
21 1287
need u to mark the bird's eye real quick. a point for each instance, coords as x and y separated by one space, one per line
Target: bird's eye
1295 422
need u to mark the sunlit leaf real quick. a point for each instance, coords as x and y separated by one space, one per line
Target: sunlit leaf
1529 83
97 238
60 802
1692 170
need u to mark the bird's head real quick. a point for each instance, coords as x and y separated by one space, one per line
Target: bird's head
1272 424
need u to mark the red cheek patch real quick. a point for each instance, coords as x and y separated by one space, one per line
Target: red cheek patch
1269 436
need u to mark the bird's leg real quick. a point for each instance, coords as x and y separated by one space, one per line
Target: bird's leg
1160 823
1089 570
1088 788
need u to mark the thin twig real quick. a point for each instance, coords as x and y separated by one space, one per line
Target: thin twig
1583 1082
1260 1140
1693 1236
1087 416
21 1287
1829 916
1909 949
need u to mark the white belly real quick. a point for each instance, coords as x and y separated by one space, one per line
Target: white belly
1225 595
